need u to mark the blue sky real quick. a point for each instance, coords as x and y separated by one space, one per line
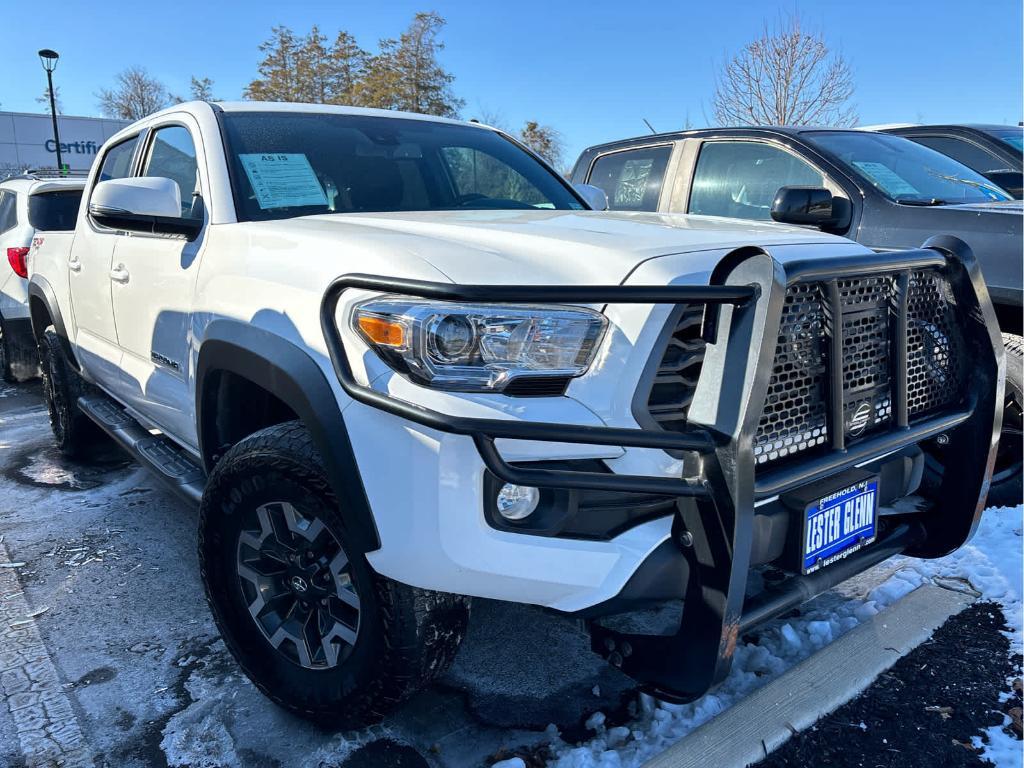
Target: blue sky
592 69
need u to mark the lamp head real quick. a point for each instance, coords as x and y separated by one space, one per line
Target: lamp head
48 58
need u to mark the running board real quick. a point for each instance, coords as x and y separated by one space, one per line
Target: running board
157 453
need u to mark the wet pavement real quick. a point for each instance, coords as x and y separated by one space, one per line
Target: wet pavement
104 561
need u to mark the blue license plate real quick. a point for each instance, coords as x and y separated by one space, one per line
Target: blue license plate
840 524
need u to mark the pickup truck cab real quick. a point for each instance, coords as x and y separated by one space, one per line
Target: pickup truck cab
29 204
399 363
886 192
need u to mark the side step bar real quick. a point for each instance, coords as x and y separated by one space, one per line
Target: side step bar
155 452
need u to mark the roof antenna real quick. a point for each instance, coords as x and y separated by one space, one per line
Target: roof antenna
648 124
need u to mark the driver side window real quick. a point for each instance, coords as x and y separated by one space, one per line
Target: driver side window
172 155
476 175
739 179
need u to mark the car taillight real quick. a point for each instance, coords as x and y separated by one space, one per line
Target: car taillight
17 257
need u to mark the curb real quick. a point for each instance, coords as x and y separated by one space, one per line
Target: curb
794 701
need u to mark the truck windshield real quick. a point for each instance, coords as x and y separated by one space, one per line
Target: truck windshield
297 164
54 211
906 171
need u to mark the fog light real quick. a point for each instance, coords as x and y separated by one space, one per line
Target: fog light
516 502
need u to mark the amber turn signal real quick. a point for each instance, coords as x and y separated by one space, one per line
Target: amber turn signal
386 333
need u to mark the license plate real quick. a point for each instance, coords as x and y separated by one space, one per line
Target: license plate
840 524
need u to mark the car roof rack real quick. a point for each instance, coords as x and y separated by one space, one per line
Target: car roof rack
45 174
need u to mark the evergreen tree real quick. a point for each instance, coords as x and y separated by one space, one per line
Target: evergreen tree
346 67
406 74
202 90
278 79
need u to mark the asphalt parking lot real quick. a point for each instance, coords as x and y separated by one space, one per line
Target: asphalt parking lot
111 558
109 656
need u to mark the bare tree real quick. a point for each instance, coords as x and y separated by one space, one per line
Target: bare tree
44 99
544 140
135 95
787 76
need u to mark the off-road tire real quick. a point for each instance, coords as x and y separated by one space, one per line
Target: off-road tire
19 360
1007 488
5 355
406 635
73 431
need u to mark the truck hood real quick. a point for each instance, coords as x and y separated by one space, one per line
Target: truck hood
539 246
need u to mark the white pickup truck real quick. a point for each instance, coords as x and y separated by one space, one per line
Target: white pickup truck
399 362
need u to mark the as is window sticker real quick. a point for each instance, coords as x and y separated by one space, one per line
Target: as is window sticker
283 180
886 178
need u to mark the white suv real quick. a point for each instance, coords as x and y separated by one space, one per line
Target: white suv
399 362
28 204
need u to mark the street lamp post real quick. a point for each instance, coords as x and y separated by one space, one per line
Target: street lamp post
48 59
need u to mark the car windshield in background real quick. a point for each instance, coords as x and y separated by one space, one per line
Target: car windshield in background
54 211
1012 136
294 164
906 171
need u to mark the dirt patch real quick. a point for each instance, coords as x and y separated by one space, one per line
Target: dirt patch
926 710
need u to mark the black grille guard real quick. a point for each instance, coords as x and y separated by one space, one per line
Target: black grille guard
743 306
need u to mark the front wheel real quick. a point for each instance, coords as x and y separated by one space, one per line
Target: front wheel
307 619
1007 486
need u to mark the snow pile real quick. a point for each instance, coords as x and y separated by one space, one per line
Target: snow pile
990 564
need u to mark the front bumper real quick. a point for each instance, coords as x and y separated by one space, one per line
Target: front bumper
718 493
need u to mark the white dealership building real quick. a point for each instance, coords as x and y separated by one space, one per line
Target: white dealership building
26 140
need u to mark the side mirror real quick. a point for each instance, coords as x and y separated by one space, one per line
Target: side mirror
594 197
813 206
149 204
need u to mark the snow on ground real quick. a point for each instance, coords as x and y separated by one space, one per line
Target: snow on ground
990 565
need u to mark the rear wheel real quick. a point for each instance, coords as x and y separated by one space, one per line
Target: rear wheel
5 355
19 359
300 608
73 431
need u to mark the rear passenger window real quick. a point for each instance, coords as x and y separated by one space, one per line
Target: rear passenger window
54 211
632 178
739 179
117 163
8 210
173 156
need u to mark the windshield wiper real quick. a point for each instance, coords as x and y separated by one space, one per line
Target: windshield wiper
912 201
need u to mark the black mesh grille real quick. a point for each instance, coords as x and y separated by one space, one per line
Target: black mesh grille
935 359
867 306
794 416
676 378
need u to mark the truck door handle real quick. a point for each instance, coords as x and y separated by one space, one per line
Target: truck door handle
119 274
75 265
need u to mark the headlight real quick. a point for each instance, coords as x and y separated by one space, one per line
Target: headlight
478 347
